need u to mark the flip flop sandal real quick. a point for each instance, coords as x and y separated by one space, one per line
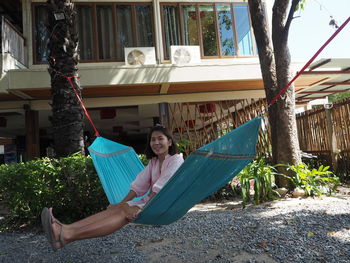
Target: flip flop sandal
53 219
47 227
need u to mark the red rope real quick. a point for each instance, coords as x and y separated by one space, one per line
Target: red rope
82 104
309 62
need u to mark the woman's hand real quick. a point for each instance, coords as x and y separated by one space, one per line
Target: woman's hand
132 213
112 206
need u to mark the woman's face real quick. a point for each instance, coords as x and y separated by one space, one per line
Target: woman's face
160 143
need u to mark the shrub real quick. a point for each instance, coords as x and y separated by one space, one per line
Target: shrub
143 159
314 181
69 184
263 176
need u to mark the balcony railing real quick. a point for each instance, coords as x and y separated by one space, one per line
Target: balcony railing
12 41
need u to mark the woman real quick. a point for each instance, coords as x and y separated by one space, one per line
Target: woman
161 149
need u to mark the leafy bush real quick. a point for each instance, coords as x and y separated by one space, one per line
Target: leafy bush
183 146
143 159
69 184
263 176
314 181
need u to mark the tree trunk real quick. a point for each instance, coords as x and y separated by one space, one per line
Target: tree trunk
275 68
67 114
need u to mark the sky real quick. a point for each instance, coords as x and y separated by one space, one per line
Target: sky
311 30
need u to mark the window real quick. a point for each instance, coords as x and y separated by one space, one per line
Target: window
40 34
208 29
103 30
221 30
144 26
190 28
124 29
171 27
85 32
245 46
226 33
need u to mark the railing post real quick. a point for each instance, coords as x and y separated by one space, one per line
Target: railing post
332 140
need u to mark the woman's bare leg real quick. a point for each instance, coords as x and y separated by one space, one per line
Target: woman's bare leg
96 217
108 224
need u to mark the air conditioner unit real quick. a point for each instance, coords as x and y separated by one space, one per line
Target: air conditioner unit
140 56
185 55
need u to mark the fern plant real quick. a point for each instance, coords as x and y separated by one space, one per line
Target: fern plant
263 176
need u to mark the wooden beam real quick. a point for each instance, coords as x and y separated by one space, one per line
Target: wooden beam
164 88
321 91
326 72
320 64
312 98
335 83
21 94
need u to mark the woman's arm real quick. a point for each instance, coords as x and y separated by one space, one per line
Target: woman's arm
131 195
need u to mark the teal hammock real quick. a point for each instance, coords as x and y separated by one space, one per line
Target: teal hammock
204 172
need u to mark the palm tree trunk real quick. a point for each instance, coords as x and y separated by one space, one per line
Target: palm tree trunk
67 114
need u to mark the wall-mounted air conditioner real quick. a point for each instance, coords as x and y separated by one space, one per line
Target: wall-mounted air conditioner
185 55
140 56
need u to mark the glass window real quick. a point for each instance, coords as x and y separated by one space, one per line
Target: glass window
189 16
105 32
41 36
206 14
171 28
224 28
245 46
144 26
226 33
85 32
124 29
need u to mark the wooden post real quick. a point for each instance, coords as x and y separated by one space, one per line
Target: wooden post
164 115
332 140
32 134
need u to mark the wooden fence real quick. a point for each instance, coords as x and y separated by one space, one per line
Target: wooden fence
325 132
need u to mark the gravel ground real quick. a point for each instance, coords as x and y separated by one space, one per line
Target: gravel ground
290 230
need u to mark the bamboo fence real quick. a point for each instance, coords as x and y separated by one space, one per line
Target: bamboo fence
196 124
325 132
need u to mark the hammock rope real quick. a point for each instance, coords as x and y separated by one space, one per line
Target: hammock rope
309 62
96 134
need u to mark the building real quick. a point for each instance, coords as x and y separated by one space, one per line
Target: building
182 63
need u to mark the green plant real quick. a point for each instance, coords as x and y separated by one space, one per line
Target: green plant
263 177
182 145
316 181
143 159
69 184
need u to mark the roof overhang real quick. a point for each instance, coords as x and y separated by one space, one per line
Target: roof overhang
331 75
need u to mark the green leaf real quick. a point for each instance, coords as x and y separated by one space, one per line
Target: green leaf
310 234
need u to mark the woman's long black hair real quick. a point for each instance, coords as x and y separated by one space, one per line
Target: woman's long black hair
172 148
